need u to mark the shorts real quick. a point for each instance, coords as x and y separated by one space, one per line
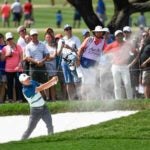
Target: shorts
27 16
86 63
146 77
17 17
68 75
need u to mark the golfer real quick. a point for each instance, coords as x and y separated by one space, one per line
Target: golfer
38 109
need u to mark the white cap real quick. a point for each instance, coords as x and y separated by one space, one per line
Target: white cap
106 30
20 28
23 77
98 29
67 26
117 32
33 31
85 31
127 28
9 35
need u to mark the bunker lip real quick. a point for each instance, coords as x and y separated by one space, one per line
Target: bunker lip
12 127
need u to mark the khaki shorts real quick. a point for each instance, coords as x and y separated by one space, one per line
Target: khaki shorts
146 77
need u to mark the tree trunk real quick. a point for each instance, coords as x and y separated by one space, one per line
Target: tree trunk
86 10
122 11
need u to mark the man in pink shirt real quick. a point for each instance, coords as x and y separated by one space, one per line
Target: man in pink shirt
5 13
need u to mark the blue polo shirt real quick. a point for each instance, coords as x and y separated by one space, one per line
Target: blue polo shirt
34 98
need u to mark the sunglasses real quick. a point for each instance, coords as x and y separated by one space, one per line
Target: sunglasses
67 29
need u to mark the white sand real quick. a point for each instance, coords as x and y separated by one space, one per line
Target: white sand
12 127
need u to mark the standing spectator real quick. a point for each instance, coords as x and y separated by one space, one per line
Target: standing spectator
120 71
17 12
141 20
133 63
28 13
37 53
68 47
76 19
5 13
89 53
38 109
51 63
2 72
22 43
101 11
107 36
145 65
59 18
85 33
12 54
60 72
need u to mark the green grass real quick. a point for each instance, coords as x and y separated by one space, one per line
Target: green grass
74 106
126 133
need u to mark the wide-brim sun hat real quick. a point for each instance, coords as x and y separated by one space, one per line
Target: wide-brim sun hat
98 29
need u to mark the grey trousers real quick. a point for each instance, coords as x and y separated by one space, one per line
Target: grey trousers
36 114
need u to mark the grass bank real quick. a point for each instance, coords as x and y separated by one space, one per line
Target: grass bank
77 106
127 133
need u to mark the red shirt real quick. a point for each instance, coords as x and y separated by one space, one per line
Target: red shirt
119 51
5 10
27 8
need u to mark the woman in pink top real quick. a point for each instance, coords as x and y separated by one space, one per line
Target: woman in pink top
12 54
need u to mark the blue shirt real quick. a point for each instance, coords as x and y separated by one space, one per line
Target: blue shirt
34 98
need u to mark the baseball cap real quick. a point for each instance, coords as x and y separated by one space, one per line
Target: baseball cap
127 28
20 28
106 30
98 29
117 32
9 35
23 77
85 31
33 32
67 26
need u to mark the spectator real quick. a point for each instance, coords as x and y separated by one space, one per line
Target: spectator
76 19
51 63
107 36
85 33
37 53
12 54
28 13
145 65
133 62
5 13
101 11
120 71
17 12
59 18
22 43
60 72
67 48
141 20
2 72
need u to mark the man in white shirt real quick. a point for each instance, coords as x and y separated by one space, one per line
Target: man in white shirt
67 48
